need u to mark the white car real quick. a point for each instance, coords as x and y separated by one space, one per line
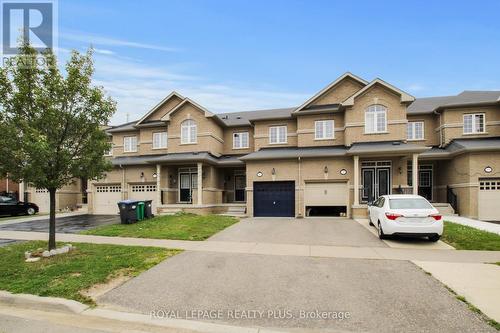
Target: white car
405 215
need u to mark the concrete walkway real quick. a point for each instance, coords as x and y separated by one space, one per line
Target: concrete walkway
486 226
478 283
274 249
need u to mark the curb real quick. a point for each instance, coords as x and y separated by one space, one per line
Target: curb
36 302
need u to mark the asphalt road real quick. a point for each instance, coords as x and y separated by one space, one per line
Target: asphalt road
286 292
68 224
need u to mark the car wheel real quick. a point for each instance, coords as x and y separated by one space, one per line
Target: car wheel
380 232
370 220
30 211
434 238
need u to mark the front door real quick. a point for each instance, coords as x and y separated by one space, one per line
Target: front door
425 184
376 182
185 187
239 188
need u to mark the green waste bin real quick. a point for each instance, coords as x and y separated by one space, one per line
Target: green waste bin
140 210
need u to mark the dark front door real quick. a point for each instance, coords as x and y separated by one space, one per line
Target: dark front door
376 182
274 199
239 188
185 187
425 184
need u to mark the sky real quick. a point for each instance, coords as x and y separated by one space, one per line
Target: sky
245 55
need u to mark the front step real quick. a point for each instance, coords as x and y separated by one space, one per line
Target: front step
444 208
236 211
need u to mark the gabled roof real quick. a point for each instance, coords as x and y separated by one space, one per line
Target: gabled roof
465 98
157 106
245 118
187 100
405 97
328 87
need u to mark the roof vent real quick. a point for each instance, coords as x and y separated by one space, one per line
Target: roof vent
396 143
238 117
224 117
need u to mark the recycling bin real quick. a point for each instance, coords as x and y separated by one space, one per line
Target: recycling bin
140 210
148 209
128 211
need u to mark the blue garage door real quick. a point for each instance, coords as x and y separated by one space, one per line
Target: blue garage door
273 199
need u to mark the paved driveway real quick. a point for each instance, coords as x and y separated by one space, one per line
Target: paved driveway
380 295
309 231
69 224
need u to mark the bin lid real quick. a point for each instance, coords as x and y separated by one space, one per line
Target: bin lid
128 201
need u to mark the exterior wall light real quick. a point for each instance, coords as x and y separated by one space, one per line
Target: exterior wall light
273 172
155 175
325 169
142 174
343 172
488 169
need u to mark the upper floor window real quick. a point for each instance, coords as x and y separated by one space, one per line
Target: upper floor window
376 119
277 134
129 144
159 140
188 131
323 129
109 152
415 130
474 123
240 140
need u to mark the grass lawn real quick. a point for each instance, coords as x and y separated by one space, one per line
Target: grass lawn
66 275
463 237
179 226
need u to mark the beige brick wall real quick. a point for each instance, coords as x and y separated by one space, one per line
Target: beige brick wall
339 93
228 140
165 108
306 130
261 131
431 132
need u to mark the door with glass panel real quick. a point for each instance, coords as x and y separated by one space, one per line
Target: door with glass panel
185 192
376 180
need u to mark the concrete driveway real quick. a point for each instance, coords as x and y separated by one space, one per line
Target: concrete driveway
68 224
309 231
379 295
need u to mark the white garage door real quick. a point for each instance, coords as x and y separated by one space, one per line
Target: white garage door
326 194
488 199
144 192
105 199
42 199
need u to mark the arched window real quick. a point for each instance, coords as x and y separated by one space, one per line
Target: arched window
376 119
188 131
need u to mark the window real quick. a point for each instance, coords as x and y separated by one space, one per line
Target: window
188 131
474 123
376 119
415 130
130 144
159 140
323 129
240 140
409 203
109 152
277 134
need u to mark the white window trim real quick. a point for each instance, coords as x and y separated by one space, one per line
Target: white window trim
474 123
413 131
153 140
324 121
375 130
190 140
241 147
277 136
133 149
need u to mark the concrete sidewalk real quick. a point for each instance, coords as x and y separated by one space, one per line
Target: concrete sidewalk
485 226
274 249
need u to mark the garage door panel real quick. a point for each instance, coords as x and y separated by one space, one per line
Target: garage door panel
105 199
326 194
41 198
274 199
488 199
144 192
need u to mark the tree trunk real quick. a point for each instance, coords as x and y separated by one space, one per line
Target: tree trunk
52 219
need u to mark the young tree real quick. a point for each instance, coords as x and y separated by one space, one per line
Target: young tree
51 124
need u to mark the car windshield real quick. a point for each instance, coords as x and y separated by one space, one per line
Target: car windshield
409 203
5 199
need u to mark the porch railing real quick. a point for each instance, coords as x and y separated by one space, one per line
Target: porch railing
452 198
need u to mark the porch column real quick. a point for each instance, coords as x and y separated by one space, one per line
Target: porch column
158 185
356 180
21 191
414 174
200 181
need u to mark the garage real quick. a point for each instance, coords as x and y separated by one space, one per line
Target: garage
105 199
274 199
144 192
41 198
488 199
326 199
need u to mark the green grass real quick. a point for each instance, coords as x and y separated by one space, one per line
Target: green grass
66 275
179 226
463 237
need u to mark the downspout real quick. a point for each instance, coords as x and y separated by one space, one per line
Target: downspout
123 182
440 128
300 215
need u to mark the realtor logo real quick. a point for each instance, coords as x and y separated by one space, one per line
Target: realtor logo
34 21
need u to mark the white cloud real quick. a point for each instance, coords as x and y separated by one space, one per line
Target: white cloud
108 41
415 87
103 51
